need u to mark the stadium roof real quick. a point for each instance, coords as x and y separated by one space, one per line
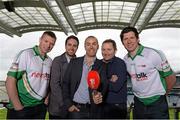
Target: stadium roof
72 16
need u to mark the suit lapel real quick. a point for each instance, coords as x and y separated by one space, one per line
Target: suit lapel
97 65
80 67
64 59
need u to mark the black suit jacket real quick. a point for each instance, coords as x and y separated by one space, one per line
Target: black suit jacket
73 76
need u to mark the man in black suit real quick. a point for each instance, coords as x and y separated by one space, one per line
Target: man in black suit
59 66
78 98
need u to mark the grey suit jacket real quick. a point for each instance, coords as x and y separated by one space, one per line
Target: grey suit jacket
58 69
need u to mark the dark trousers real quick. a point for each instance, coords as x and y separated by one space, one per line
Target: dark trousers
35 112
156 110
52 117
84 112
87 111
115 111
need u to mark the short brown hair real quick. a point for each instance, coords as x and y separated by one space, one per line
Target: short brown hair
111 41
50 33
72 37
129 29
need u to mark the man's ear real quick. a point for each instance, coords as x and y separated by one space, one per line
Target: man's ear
115 51
138 41
40 39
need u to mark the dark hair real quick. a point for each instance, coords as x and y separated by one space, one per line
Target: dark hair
111 41
50 33
72 37
129 29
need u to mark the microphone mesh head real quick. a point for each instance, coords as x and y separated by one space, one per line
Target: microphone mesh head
93 79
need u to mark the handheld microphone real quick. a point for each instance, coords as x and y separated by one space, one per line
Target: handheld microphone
93 80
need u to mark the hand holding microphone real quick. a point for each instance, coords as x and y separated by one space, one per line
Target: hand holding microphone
93 80
97 98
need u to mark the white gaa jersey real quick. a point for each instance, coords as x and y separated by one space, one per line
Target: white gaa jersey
147 70
32 73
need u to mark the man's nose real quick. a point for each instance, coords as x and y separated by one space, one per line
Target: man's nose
128 41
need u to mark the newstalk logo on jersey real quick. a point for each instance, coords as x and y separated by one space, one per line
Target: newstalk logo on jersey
139 76
44 76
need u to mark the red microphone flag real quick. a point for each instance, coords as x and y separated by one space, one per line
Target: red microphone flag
93 79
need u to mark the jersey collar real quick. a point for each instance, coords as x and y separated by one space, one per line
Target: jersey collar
139 51
37 53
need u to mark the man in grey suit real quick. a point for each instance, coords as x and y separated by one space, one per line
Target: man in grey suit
79 99
59 65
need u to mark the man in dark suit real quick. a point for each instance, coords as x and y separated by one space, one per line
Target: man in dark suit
78 98
58 69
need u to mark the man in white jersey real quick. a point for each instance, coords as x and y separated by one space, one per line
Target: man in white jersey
151 76
28 78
